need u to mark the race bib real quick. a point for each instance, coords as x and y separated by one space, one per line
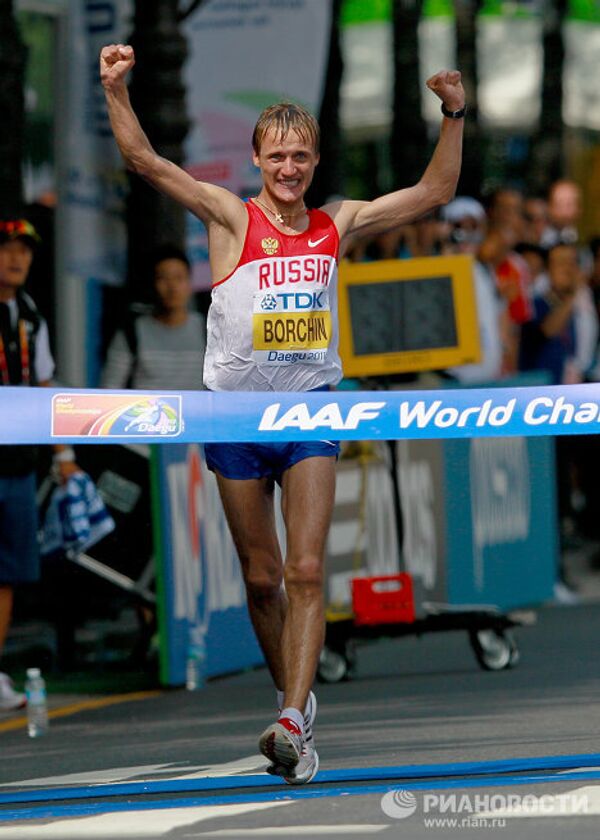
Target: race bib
291 327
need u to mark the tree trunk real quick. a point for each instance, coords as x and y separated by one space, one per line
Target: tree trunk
471 177
410 152
13 55
546 154
158 97
329 175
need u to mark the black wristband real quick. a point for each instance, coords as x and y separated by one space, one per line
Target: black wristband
454 115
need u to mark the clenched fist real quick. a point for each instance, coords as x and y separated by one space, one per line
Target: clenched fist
116 60
448 86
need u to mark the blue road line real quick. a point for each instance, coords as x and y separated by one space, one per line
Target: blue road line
289 794
351 774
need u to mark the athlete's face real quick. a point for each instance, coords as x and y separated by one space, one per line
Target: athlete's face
287 166
15 261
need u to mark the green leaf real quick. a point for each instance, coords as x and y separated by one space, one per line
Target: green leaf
365 11
584 10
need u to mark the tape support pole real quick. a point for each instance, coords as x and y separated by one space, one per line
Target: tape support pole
46 415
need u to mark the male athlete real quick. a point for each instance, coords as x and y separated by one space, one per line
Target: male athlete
272 326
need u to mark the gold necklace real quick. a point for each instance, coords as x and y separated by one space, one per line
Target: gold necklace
279 217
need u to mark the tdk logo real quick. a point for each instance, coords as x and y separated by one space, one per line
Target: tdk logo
269 303
293 301
329 416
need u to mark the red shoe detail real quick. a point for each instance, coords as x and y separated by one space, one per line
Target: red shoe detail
291 726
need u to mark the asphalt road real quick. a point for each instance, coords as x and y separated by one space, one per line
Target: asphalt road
412 702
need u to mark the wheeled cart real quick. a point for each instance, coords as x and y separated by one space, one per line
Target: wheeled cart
385 607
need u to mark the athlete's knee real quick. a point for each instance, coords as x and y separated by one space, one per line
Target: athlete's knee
304 571
263 578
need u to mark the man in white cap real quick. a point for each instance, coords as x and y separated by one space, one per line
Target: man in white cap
468 223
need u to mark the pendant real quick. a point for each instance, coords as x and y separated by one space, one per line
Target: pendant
279 218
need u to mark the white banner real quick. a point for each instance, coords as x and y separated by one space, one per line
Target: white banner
581 100
509 62
367 86
245 56
91 237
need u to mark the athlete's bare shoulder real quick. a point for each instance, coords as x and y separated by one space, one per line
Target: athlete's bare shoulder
226 236
217 205
343 212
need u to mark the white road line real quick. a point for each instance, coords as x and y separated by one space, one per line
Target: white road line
93 777
136 824
231 768
294 831
144 773
578 770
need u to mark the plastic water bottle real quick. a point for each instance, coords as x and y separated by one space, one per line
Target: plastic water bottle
37 707
196 660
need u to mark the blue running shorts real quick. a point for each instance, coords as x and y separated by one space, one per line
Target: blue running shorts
257 460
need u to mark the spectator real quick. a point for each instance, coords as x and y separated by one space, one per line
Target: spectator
359 250
25 360
564 213
506 216
422 238
594 247
548 340
535 257
505 211
535 212
586 323
589 450
594 289
430 234
513 285
467 220
164 349
391 245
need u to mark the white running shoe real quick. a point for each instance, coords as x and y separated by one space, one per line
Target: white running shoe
281 743
10 700
308 763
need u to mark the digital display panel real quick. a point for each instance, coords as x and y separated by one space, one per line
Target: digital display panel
399 316
408 315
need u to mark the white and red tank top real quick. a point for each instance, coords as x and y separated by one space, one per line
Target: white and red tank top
273 323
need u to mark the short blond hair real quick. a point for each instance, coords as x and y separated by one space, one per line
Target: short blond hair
283 118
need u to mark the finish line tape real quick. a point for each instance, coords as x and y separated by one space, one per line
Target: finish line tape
46 415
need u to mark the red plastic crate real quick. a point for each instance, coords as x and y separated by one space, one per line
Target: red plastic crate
383 600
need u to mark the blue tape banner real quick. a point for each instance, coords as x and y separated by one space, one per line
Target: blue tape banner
46 415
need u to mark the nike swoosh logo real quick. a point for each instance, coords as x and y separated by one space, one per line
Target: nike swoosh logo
314 244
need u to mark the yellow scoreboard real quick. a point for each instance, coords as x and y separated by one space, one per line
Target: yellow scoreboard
399 316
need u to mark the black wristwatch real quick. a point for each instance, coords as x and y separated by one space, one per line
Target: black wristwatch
454 115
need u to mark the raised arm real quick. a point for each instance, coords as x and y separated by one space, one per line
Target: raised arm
437 185
210 203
